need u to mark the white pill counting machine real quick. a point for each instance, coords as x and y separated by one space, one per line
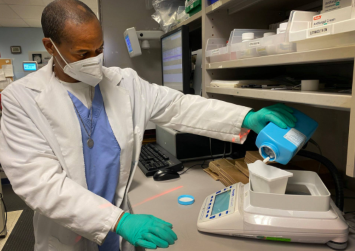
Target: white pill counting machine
305 213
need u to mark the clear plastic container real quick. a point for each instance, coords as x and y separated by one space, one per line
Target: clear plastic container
238 48
276 44
267 179
217 50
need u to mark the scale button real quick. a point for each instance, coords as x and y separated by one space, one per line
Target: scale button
206 215
208 211
212 217
209 204
220 215
225 189
226 212
230 187
209 208
218 192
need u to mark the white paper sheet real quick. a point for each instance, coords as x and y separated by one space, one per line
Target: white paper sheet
8 70
2 75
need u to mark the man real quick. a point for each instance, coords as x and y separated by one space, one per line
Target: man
71 135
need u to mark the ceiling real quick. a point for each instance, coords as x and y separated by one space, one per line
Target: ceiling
27 13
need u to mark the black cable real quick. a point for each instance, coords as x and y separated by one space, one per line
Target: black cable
339 192
3 202
224 152
192 167
312 141
211 149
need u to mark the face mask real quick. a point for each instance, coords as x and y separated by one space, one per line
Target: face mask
88 71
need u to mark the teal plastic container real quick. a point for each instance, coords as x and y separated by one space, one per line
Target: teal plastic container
282 144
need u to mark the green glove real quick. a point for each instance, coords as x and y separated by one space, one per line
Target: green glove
146 231
279 114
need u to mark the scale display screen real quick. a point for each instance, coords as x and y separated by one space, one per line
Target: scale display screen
128 42
221 202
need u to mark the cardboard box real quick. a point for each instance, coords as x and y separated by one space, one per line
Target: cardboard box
332 17
330 5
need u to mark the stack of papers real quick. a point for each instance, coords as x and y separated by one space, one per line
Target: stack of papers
8 70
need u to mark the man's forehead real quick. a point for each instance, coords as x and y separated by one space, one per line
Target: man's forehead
84 34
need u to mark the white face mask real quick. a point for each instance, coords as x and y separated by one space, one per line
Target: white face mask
88 71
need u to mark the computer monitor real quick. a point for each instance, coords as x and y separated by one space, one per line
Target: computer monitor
176 59
30 66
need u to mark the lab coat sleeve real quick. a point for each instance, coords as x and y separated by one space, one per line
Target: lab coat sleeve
38 178
193 114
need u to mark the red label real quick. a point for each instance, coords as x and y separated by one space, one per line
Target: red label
317 17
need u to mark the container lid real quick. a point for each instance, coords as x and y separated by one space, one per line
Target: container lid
186 199
268 34
267 172
283 26
248 36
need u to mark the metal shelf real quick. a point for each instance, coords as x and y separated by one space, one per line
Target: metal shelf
234 6
326 99
197 16
306 57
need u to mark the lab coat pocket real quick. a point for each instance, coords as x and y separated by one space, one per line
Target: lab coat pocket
55 245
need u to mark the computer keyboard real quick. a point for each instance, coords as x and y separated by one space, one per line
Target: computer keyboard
153 158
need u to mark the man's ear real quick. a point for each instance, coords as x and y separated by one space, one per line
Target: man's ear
48 45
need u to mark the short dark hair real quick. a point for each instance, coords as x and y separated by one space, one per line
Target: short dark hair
58 12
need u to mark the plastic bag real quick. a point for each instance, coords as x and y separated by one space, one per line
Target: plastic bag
165 12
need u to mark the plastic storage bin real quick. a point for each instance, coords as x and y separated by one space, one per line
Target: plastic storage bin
336 34
193 6
217 50
239 49
275 44
267 179
281 145
212 1
263 46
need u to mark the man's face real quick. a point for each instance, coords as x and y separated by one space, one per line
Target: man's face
82 41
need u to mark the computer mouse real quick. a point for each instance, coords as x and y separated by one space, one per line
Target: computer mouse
165 174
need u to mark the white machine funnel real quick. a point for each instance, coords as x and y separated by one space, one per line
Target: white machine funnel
267 179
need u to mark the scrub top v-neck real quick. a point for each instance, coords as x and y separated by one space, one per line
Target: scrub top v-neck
102 162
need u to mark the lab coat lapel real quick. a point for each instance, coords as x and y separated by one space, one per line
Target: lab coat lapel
57 107
119 112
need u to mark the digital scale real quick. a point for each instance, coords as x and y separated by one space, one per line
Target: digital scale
304 214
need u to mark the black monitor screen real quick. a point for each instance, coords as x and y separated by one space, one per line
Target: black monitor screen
175 60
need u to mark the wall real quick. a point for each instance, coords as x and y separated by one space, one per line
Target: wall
30 39
116 17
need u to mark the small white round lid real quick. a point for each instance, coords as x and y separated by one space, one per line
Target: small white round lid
248 36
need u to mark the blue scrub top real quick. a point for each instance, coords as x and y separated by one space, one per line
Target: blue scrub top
102 162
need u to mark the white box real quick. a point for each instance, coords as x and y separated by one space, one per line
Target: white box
330 5
332 17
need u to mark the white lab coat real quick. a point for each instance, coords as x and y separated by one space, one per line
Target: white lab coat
41 148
